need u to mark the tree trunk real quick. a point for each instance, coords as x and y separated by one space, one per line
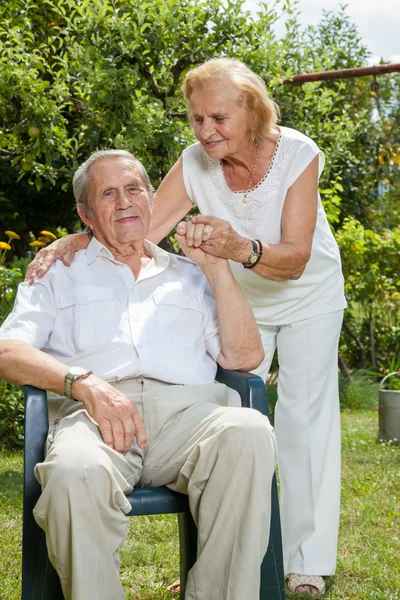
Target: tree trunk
360 345
343 367
372 341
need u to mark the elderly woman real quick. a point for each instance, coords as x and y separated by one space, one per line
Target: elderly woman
256 186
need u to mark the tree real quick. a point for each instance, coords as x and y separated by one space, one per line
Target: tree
80 75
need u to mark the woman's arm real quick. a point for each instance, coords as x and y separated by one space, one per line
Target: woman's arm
62 249
171 204
288 259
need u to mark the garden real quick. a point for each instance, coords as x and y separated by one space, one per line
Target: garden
81 75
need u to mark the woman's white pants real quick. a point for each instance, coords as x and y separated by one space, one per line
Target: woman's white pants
307 428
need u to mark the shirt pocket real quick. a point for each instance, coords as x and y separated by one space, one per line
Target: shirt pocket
179 315
91 313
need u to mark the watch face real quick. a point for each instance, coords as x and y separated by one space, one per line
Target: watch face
253 258
77 371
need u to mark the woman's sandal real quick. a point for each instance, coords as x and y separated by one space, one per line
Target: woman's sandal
175 588
294 581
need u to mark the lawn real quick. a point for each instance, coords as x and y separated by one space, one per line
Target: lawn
369 547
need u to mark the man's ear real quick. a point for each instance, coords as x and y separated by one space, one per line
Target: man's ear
83 214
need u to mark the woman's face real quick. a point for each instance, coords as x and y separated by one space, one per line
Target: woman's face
220 124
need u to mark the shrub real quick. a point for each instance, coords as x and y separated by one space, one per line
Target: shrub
11 415
358 393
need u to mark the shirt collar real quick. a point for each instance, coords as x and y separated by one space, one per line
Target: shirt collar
161 258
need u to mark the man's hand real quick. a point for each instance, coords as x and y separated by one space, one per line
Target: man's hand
62 249
116 415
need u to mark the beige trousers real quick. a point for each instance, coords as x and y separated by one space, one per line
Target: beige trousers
223 458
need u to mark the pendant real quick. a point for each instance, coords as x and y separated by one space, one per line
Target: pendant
245 198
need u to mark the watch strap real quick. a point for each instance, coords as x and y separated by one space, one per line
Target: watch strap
253 256
251 265
69 380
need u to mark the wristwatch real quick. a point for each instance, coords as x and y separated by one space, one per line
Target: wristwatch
253 256
73 374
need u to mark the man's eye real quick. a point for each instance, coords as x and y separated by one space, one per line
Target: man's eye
108 193
219 119
133 189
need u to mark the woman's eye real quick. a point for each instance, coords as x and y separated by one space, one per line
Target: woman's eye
219 119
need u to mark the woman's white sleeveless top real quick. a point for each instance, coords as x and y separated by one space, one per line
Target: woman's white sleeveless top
320 289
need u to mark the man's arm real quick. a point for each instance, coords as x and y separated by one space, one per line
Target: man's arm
116 415
241 346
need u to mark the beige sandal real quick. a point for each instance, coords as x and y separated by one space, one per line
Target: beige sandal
175 588
294 581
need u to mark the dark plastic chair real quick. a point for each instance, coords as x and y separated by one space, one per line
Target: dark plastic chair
40 581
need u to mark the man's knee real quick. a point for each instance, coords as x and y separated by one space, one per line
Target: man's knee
68 467
246 429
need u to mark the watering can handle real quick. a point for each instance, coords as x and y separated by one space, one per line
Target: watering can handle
387 377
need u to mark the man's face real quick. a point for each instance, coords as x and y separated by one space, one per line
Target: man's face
119 203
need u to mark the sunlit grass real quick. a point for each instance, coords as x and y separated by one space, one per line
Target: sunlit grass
369 547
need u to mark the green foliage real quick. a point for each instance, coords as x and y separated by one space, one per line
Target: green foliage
80 75
372 284
11 415
358 393
10 278
370 261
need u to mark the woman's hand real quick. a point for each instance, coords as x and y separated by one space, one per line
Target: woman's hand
63 249
222 240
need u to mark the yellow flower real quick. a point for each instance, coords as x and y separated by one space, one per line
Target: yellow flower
37 244
44 239
49 234
12 235
5 246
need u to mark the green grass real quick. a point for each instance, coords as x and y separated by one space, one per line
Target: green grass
369 545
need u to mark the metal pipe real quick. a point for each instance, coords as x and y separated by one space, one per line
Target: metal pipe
343 74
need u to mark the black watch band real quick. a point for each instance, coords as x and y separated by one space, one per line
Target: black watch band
255 256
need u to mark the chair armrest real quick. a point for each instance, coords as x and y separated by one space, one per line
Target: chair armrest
36 428
251 388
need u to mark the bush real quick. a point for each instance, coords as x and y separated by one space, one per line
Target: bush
11 415
358 393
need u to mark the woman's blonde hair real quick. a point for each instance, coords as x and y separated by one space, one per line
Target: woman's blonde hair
263 112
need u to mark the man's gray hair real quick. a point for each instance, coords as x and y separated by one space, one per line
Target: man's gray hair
81 180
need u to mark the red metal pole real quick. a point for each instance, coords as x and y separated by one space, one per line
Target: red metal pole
343 74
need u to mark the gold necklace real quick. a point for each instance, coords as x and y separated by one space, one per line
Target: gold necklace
251 178
244 192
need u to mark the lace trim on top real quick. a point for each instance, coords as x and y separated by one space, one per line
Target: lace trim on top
265 191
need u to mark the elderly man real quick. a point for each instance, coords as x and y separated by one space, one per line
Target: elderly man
126 341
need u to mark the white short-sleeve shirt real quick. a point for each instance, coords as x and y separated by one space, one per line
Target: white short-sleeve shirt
95 314
320 289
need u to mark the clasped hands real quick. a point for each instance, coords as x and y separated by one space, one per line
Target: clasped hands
204 237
